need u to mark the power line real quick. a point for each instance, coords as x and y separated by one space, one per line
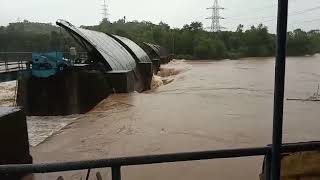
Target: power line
252 10
215 17
305 22
258 8
293 13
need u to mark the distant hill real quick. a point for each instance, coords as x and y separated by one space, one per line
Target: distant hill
34 36
34 27
191 41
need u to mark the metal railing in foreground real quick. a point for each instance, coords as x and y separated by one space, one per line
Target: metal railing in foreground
117 163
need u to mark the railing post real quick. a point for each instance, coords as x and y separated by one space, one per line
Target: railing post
6 66
279 88
268 166
116 173
88 174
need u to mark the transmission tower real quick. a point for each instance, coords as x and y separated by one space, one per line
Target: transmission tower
104 10
215 18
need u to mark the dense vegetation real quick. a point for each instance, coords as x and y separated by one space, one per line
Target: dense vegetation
190 42
27 36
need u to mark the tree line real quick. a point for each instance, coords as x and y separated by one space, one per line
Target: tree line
189 42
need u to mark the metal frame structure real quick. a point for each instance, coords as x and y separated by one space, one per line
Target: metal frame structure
116 163
280 68
104 10
272 153
12 66
104 48
215 17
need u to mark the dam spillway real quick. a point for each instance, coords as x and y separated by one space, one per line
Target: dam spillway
115 64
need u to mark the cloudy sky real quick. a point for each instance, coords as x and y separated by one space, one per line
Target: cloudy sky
303 13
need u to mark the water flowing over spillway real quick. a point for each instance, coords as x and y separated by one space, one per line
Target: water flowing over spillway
7 93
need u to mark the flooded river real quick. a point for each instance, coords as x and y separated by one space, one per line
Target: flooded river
210 105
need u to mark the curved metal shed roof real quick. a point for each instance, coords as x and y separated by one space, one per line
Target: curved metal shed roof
136 51
160 51
114 54
153 47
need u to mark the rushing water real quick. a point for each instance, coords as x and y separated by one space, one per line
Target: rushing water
7 93
39 128
209 105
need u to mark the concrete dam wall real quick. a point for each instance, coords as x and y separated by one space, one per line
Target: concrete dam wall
115 65
71 92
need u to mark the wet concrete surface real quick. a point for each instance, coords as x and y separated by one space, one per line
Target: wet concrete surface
212 105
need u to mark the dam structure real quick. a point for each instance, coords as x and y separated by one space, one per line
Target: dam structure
114 64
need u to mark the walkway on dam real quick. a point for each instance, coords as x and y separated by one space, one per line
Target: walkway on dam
9 70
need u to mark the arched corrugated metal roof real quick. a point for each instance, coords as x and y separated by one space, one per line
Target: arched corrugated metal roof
160 51
115 55
153 48
136 51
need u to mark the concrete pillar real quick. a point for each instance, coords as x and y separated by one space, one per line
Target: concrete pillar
14 140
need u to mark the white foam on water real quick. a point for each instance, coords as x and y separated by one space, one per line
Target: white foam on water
39 128
168 73
156 82
7 93
316 55
42 127
173 68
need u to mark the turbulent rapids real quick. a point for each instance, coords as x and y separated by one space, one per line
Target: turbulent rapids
168 72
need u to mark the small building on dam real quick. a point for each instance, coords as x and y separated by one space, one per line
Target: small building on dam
115 64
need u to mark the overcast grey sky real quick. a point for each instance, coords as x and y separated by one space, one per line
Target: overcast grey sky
304 13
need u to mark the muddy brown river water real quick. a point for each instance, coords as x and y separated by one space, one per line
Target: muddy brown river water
211 105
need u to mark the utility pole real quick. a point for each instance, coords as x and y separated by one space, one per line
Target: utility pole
215 17
104 11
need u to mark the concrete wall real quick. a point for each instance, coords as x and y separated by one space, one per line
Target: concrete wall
72 92
78 90
138 79
14 140
156 65
122 81
146 70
